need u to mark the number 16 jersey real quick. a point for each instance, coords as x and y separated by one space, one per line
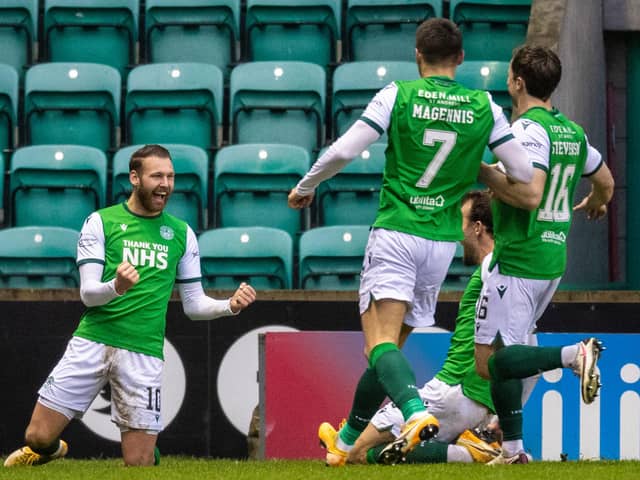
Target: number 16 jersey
533 244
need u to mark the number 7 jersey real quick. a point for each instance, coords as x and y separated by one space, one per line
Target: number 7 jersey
438 131
533 244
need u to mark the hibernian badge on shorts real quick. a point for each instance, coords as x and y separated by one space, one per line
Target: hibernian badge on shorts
166 232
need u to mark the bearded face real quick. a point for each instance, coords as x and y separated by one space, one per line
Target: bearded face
152 197
152 187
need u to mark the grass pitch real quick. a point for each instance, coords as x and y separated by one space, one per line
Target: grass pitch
195 468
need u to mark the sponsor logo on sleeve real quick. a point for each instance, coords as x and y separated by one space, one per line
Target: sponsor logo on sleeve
87 240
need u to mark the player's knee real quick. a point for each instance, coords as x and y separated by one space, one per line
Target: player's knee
137 458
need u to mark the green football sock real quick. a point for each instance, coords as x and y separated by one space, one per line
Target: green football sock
425 452
522 361
428 452
366 401
397 378
507 400
156 456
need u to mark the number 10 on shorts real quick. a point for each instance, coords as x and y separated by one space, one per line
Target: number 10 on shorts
153 399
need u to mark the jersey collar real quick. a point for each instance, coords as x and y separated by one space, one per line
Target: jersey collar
441 79
126 207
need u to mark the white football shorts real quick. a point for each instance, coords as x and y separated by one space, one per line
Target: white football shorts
84 370
511 306
406 268
455 412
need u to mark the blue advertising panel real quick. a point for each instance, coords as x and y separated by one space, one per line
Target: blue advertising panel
557 424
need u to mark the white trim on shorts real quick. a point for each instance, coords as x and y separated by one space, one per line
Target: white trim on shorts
406 268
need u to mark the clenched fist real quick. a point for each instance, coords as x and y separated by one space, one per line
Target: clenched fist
297 201
244 296
126 277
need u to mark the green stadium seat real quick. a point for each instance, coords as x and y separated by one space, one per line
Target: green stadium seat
72 103
189 198
205 31
355 84
385 29
487 75
260 256
175 103
491 28
90 31
18 32
458 274
300 30
56 185
351 197
251 184
331 257
278 102
38 257
8 106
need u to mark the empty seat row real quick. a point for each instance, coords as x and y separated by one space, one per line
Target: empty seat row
60 185
329 258
274 102
107 31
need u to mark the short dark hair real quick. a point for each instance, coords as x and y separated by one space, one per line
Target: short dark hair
539 67
438 40
480 208
147 151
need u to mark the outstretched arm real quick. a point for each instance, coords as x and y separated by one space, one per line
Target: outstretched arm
366 130
341 152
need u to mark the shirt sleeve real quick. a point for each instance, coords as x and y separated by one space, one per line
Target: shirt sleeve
535 140
359 136
501 131
594 160
91 242
198 306
93 291
378 112
189 265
